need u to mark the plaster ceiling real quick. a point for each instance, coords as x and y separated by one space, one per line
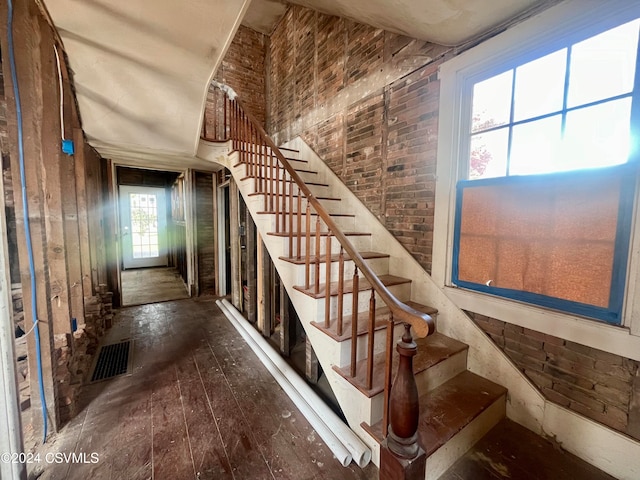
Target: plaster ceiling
142 68
446 22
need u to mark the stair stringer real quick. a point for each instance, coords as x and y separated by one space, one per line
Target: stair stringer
613 452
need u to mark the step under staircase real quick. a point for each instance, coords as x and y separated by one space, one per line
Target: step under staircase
347 315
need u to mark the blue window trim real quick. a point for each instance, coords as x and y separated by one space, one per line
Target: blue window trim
612 314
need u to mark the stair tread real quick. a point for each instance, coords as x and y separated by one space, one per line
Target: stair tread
387 280
449 408
452 406
332 199
382 316
283 154
432 350
322 234
314 184
313 214
334 258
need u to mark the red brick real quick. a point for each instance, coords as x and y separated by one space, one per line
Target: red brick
582 396
541 380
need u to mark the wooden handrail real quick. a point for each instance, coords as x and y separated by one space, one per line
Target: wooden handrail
421 323
275 177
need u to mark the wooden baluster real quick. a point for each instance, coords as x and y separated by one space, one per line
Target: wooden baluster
327 281
254 157
273 180
204 125
371 338
226 120
284 198
291 254
243 144
277 199
299 226
267 175
354 322
388 369
307 249
317 260
400 454
215 116
340 290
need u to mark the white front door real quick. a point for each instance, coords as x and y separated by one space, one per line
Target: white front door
143 222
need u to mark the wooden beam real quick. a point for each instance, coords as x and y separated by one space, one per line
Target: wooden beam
110 225
251 270
234 227
27 43
88 288
261 287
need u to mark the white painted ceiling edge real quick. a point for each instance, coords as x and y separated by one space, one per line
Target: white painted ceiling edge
446 22
142 68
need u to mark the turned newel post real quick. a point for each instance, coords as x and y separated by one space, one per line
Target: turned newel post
401 457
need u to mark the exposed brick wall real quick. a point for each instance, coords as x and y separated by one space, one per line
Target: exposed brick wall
366 100
243 69
599 385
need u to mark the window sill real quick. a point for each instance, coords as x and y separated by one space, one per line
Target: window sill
598 335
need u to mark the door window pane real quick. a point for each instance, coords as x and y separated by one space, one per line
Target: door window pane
144 225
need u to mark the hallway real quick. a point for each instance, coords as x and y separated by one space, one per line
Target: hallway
197 404
149 285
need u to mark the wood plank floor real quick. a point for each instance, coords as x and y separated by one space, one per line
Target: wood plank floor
198 404
511 452
148 285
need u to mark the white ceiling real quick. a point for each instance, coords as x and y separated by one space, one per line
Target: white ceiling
447 22
142 67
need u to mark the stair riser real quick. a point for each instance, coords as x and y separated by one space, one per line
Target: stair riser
379 265
258 201
360 242
443 458
438 374
346 224
379 345
402 292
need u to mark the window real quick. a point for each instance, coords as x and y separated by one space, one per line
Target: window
566 110
537 165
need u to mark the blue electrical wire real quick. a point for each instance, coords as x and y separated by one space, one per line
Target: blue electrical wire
25 208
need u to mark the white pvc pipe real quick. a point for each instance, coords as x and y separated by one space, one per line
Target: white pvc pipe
328 436
359 451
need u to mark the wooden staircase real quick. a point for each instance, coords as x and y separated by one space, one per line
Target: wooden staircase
359 314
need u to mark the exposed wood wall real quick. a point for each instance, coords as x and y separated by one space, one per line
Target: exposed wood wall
205 233
65 200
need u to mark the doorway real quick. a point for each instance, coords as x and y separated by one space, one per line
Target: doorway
143 226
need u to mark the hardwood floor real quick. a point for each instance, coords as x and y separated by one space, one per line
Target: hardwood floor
198 404
141 286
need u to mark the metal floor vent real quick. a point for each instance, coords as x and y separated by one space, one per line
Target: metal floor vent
113 360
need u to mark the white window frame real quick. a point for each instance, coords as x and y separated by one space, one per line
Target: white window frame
533 38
